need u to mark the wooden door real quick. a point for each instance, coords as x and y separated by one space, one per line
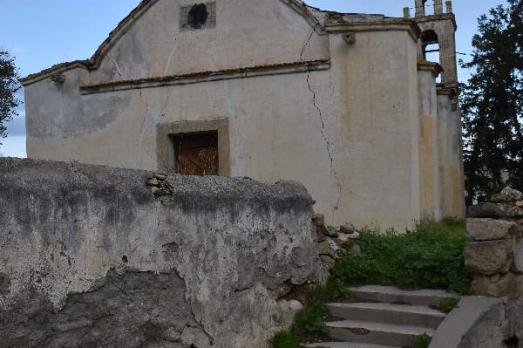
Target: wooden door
197 153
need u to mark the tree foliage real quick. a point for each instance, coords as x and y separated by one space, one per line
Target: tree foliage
492 102
9 86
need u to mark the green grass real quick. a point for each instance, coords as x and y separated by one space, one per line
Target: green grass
308 323
430 257
448 304
286 339
423 341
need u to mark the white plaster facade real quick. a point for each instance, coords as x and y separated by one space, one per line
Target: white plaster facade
342 103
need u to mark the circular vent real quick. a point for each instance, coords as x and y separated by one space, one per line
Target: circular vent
198 16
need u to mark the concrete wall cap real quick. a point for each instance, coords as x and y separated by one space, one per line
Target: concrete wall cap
460 323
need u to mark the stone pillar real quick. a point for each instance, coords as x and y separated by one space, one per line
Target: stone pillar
430 188
406 12
449 6
450 157
438 7
420 8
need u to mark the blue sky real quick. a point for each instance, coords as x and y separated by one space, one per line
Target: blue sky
41 33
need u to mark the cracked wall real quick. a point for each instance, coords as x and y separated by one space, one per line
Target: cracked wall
348 128
359 155
91 257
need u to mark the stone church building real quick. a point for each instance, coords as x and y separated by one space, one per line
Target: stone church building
347 104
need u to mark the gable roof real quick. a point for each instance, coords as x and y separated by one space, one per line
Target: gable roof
94 62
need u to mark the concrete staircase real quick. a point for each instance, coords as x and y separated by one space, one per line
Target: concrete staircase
383 317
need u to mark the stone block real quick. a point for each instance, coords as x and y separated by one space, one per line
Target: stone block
513 194
517 231
488 258
507 285
501 198
518 255
331 232
281 290
489 229
514 213
318 221
495 211
488 210
153 182
321 237
327 261
329 248
347 229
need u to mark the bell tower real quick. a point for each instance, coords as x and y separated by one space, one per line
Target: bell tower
438 39
441 128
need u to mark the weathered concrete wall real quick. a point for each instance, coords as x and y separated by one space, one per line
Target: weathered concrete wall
91 256
337 136
156 45
429 145
375 133
451 159
350 133
477 322
482 322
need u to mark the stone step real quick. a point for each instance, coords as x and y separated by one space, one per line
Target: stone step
390 294
376 333
346 345
388 313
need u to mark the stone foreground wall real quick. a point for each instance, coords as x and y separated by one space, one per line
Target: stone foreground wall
495 251
99 257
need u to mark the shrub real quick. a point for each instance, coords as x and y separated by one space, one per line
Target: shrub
430 257
308 323
285 339
448 304
423 341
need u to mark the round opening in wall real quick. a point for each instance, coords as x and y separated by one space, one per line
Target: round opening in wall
198 16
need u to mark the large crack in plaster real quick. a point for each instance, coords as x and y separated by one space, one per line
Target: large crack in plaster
324 136
169 60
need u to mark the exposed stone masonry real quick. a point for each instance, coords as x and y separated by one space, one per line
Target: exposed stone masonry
495 250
